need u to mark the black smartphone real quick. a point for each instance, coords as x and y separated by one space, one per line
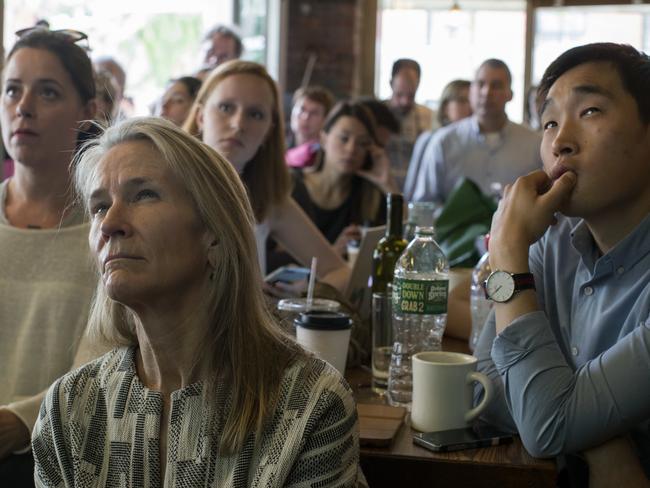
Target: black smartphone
455 440
287 274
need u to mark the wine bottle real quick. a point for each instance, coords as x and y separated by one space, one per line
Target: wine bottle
390 247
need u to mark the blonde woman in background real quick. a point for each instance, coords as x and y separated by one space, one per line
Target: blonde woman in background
202 388
237 112
454 102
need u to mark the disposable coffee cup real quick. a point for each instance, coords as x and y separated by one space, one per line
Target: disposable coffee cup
290 308
326 334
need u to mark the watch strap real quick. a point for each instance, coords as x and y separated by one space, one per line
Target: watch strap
524 281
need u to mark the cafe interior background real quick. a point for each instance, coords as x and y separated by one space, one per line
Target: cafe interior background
349 47
346 45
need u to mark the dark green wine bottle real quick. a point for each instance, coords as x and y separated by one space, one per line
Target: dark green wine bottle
391 246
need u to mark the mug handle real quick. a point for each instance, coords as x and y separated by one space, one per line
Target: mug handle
473 376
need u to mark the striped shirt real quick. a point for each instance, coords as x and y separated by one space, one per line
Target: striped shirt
99 426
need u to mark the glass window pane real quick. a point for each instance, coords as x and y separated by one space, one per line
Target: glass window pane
251 17
559 29
154 40
451 44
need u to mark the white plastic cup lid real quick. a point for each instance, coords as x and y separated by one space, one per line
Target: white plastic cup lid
298 305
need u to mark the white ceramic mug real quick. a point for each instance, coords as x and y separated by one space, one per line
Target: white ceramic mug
443 388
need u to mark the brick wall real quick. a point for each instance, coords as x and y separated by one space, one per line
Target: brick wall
326 29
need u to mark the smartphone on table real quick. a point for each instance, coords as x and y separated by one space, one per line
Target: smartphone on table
457 439
287 274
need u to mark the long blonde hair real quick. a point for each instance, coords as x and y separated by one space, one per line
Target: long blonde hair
241 332
266 175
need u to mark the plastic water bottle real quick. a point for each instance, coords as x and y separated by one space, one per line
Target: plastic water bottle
420 289
480 306
420 214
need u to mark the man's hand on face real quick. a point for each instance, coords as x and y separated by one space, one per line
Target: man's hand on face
524 214
13 433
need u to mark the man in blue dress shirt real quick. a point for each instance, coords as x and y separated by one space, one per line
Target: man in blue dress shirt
568 344
487 148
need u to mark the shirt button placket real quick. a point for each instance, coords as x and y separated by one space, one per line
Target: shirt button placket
588 290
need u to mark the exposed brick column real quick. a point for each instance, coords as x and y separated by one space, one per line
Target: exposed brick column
339 33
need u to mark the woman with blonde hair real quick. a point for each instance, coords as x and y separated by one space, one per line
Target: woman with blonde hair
454 102
237 112
202 388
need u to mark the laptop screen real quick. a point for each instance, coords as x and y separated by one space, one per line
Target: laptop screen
357 292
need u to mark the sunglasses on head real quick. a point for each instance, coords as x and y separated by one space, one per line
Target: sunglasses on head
72 35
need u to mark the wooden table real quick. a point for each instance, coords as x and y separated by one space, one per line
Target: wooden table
406 464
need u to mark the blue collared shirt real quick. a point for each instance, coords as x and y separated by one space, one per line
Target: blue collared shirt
577 373
460 149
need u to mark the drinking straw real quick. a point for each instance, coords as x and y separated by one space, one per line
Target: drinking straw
312 282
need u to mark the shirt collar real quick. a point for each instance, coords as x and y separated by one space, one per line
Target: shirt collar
621 257
476 130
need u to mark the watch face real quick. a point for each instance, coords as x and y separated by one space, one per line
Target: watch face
500 286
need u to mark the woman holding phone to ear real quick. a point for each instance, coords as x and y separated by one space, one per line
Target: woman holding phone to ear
346 187
237 112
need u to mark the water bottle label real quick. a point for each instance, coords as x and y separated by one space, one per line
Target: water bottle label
420 296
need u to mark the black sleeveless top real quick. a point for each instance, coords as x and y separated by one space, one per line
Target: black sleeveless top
331 222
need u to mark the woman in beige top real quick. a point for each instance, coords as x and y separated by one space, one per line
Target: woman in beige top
46 282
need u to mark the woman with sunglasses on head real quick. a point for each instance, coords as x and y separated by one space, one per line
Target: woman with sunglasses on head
346 188
237 112
46 283
202 388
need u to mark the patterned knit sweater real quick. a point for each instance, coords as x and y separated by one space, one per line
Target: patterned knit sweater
99 426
